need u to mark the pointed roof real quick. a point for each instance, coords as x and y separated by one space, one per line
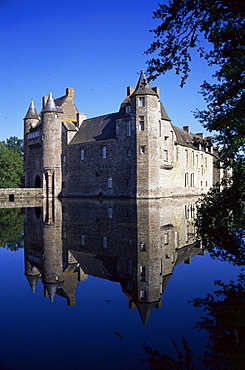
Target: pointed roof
52 289
33 280
31 113
51 106
143 87
145 309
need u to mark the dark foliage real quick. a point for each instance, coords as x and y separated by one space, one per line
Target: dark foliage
216 30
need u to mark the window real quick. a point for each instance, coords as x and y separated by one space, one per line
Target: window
129 152
143 247
186 157
83 239
206 162
128 109
193 158
109 213
103 151
160 129
33 134
82 154
192 179
130 267
109 182
128 129
186 179
165 239
142 149
165 155
142 123
105 242
143 295
141 101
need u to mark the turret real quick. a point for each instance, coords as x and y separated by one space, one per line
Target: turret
51 120
31 118
145 104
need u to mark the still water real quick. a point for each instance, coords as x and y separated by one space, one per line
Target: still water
92 281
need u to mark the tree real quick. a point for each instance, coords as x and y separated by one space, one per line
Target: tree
16 144
216 30
11 163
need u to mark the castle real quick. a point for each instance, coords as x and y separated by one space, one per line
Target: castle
133 153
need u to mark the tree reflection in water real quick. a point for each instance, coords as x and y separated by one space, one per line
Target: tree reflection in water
220 221
12 228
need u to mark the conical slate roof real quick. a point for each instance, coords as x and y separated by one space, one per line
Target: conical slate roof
50 105
33 280
32 113
143 87
145 309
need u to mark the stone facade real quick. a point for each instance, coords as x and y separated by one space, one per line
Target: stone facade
134 153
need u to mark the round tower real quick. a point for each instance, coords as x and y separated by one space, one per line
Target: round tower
145 104
52 148
31 123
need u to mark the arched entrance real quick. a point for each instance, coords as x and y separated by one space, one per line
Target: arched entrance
37 182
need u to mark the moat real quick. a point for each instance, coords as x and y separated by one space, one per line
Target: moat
86 283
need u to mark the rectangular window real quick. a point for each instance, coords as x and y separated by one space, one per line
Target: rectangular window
128 109
142 123
186 179
193 158
128 128
105 242
83 239
82 154
142 295
130 267
109 213
109 182
103 151
141 101
33 134
143 247
165 239
192 179
129 152
165 156
186 157
206 162
160 128
142 149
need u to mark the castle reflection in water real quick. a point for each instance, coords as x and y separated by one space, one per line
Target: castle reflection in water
135 243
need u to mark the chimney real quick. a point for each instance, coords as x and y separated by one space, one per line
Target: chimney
157 90
200 134
130 90
186 129
45 99
70 92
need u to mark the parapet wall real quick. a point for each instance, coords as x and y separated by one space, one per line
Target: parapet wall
16 196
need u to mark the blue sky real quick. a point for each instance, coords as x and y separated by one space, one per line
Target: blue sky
96 47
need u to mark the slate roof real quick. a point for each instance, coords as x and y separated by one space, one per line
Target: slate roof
143 87
70 126
96 129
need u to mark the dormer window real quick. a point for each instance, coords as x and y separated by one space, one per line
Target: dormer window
142 101
128 109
